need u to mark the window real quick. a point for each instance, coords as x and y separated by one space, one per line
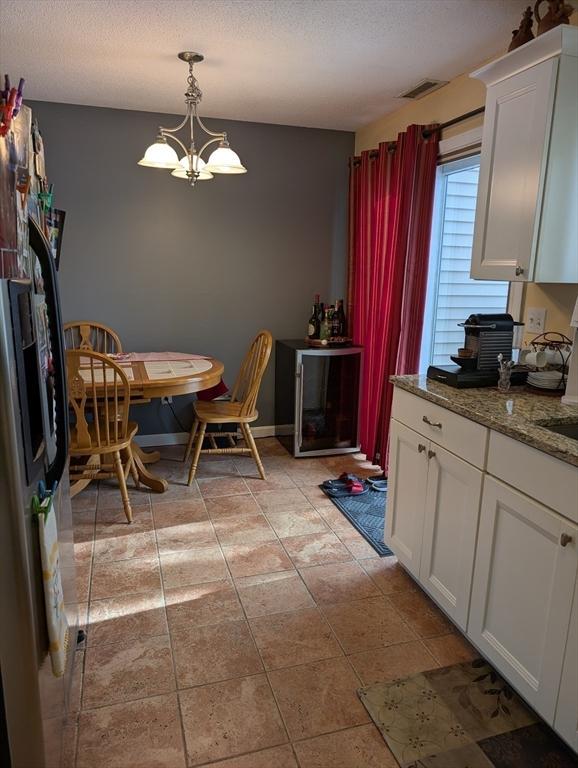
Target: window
451 294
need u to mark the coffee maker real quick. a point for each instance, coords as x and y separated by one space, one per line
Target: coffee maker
485 337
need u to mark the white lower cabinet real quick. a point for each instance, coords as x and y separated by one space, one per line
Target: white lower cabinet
566 720
432 517
449 533
407 480
524 580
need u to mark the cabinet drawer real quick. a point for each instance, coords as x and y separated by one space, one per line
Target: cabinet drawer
465 438
535 473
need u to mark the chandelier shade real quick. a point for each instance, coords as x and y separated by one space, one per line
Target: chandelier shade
224 160
186 167
192 165
160 155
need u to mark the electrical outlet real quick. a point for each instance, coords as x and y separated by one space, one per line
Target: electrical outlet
166 400
536 319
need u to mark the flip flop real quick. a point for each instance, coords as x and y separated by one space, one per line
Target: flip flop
378 485
357 488
343 481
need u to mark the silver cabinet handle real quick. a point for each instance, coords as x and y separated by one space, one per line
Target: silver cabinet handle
436 424
421 448
519 271
431 454
565 538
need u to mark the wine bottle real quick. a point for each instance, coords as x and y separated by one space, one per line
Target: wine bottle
336 321
325 330
342 324
313 327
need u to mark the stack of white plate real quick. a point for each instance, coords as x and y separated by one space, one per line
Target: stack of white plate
546 379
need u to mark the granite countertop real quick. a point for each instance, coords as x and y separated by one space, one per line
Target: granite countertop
519 413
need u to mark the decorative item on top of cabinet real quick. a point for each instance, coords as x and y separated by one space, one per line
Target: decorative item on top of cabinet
524 32
558 13
526 227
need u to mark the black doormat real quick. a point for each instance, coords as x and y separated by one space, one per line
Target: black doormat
367 514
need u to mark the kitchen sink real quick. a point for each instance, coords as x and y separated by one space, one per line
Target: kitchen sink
568 430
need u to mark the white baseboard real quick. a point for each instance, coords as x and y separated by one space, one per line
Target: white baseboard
181 438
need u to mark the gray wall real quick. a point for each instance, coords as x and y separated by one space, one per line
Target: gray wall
196 270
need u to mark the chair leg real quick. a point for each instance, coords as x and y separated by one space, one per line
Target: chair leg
133 469
250 440
197 452
192 434
122 483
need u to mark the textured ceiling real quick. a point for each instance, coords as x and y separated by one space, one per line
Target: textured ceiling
320 63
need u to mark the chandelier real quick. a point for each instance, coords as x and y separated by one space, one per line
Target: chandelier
192 166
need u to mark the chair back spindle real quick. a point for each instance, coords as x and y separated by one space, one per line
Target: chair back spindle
86 334
99 394
248 382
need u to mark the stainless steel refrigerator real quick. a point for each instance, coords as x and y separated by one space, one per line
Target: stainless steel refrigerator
33 451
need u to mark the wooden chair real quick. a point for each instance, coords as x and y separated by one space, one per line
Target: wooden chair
86 334
239 410
99 396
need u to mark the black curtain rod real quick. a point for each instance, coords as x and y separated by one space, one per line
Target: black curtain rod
427 133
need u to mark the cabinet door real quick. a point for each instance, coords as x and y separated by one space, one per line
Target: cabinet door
524 578
407 479
566 722
514 150
449 538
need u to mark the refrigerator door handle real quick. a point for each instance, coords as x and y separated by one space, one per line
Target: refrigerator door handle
41 248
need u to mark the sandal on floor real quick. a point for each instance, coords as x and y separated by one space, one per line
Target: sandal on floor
343 481
378 485
352 488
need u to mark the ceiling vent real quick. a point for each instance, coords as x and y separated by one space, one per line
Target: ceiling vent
422 88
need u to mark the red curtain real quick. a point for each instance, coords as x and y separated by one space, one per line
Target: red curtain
391 194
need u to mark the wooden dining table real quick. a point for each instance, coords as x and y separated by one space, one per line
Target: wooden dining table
152 379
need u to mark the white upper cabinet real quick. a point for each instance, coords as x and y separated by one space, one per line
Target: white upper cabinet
526 226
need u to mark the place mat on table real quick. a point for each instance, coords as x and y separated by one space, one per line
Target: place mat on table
176 368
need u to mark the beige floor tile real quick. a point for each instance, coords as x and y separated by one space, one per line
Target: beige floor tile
382 665
247 529
230 718
361 747
299 637
193 566
109 495
122 542
318 698
388 575
212 653
225 468
115 515
308 476
126 618
212 487
335 520
83 551
281 500
277 757
273 593
316 496
359 547
178 491
276 480
338 582
69 742
232 506
296 522
75 690
421 614
451 649
86 499
254 559
188 536
364 624
202 604
173 470
126 577
120 735
178 512
127 671
316 549
83 582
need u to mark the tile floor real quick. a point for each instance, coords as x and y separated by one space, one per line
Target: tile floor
231 624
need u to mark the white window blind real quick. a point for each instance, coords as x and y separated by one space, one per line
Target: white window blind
451 294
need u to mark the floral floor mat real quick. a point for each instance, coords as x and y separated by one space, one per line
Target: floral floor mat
463 716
